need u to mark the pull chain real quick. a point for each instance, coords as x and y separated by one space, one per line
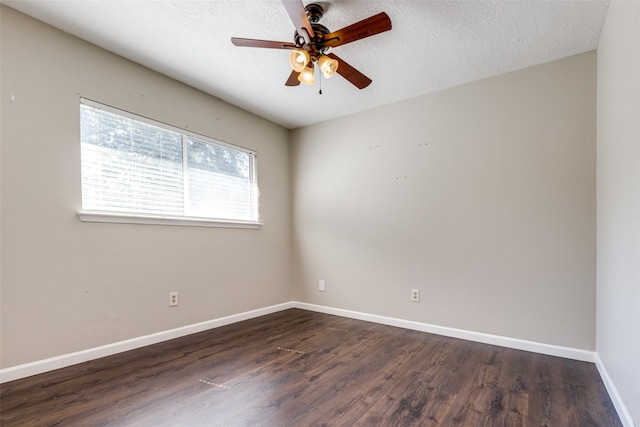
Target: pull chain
320 80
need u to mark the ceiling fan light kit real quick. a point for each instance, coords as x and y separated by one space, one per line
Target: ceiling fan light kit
312 40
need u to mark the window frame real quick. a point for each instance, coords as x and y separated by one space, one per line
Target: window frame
88 215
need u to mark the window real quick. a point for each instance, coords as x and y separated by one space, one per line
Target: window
134 167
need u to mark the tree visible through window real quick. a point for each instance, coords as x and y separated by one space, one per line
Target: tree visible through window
134 165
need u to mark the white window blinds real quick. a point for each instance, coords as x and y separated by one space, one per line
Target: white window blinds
131 164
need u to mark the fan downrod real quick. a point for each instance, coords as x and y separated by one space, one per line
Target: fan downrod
314 12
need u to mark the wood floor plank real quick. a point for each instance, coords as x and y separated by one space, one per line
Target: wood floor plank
300 368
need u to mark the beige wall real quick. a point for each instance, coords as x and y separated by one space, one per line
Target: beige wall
482 196
68 285
618 314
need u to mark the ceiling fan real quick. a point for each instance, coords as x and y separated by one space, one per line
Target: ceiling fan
311 41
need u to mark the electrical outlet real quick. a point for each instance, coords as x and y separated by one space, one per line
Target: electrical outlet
173 299
415 295
321 285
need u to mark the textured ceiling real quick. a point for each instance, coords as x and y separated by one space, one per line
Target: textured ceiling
433 45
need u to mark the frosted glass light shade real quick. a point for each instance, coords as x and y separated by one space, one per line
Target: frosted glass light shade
298 59
328 66
306 76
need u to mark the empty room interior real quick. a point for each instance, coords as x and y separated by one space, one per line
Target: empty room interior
456 242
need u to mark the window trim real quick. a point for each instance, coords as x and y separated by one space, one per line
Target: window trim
129 218
177 220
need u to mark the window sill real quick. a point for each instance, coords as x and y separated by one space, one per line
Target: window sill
125 218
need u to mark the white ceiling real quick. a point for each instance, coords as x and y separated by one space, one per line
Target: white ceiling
433 45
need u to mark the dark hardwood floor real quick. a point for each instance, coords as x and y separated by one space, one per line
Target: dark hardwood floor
300 368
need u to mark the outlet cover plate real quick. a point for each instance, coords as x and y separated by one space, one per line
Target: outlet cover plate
173 299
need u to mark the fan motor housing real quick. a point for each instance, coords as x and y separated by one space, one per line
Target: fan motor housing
314 13
317 42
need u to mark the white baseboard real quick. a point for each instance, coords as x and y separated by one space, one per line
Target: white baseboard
45 365
621 408
518 344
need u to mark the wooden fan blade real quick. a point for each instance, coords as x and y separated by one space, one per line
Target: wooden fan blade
354 76
293 79
298 16
262 43
367 27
